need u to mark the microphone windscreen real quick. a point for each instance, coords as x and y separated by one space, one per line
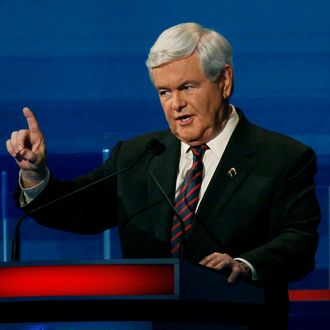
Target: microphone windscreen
156 146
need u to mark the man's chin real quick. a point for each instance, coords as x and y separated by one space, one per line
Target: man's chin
190 140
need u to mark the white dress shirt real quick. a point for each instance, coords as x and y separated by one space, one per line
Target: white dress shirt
211 156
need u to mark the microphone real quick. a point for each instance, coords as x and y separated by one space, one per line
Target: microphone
156 146
175 212
153 145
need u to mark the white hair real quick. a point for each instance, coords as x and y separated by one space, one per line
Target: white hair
182 40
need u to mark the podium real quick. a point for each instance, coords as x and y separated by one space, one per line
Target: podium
164 292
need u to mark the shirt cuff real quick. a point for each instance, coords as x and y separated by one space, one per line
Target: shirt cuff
254 274
29 194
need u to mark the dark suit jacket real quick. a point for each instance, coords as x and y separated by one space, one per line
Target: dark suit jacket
268 213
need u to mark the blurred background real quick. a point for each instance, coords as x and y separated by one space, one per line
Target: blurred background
80 66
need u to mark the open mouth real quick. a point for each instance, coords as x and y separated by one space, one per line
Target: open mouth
184 118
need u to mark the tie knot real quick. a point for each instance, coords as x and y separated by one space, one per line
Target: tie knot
198 151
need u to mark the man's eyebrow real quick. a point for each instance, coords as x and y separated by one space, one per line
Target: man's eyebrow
181 85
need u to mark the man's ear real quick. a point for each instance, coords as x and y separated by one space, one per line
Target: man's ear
226 81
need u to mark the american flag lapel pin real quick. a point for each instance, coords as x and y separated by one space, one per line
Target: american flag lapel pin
232 172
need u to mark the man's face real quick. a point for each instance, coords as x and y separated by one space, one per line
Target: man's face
193 105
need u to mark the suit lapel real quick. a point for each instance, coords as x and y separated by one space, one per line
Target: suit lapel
237 156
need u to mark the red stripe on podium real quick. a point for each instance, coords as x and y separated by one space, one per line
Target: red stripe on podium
86 280
309 295
104 280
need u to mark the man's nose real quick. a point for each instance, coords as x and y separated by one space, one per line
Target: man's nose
178 102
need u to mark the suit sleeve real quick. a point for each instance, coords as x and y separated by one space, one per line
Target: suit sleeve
89 211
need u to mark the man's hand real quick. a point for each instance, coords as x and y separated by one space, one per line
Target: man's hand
220 261
28 148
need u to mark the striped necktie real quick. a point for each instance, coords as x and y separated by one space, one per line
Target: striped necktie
187 200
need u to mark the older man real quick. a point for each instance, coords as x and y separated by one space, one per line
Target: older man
244 197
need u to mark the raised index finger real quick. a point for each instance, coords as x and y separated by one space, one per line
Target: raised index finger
31 120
